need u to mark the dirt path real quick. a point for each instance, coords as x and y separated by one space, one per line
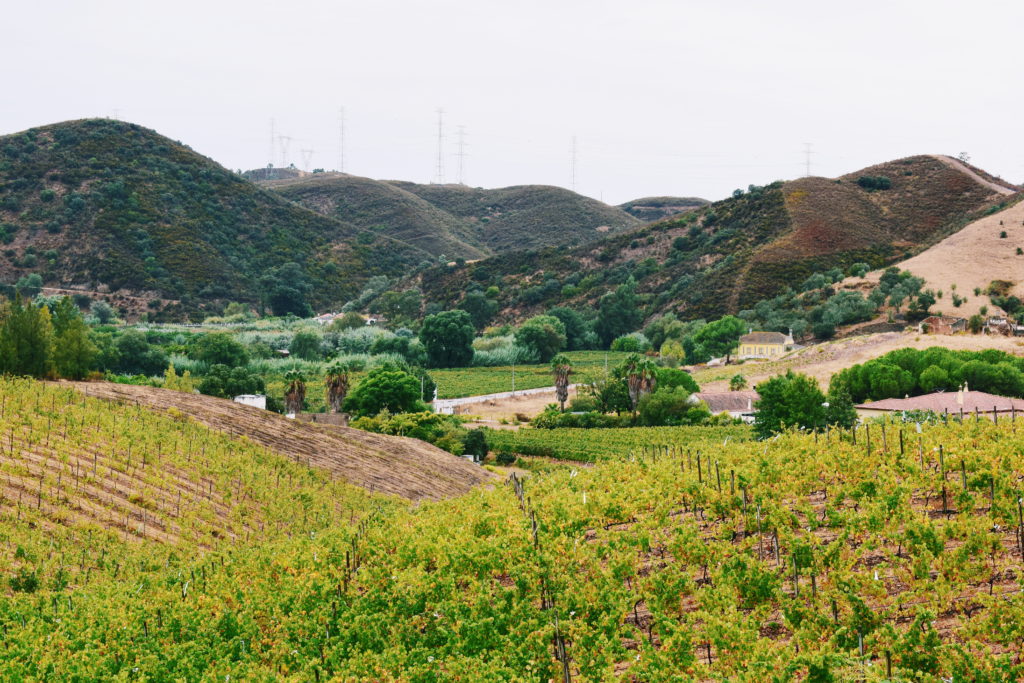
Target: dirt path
956 164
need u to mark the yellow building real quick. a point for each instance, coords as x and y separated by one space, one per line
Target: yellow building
764 345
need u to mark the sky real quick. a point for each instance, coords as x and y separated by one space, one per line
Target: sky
687 98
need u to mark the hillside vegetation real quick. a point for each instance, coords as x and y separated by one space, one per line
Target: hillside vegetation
650 209
456 220
107 205
679 554
731 254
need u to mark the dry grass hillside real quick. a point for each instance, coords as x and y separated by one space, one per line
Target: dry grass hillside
384 464
970 260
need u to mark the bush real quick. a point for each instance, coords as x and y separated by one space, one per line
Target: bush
475 443
227 382
306 345
874 182
542 335
385 388
220 348
670 406
634 342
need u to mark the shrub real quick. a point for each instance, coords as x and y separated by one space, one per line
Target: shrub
634 342
874 182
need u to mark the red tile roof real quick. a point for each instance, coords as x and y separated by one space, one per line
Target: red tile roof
728 401
948 401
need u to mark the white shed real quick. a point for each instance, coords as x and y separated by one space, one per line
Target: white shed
254 400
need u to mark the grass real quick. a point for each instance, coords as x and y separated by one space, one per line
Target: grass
462 382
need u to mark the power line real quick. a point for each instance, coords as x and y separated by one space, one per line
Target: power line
307 157
273 142
808 151
440 146
461 154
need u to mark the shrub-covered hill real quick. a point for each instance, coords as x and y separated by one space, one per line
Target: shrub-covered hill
456 220
107 204
730 254
650 209
386 209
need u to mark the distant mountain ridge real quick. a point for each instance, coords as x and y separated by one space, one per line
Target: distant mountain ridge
457 220
103 205
728 255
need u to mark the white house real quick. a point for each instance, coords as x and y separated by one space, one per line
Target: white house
254 400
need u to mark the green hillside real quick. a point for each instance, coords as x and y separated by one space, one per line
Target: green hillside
650 209
526 216
731 254
385 209
105 204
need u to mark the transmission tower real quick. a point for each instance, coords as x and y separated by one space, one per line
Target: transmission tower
307 157
808 151
284 141
462 153
440 146
273 143
341 140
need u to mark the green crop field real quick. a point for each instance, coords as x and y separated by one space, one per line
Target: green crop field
461 382
892 557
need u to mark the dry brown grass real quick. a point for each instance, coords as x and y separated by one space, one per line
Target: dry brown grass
387 464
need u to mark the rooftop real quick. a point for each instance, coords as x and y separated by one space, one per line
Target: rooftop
763 338
949 401
728 401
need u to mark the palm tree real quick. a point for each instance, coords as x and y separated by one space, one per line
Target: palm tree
336 383
561 367
640 377
295 394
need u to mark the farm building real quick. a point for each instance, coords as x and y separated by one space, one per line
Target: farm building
737 403
962 402
254 400
942 324
765 344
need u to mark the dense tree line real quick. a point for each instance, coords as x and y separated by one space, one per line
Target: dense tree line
911 372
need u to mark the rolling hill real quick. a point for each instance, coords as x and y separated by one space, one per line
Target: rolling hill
651 209
728 255
103 205
456 220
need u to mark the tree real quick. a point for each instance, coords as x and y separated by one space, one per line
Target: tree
295 393
480 308
671 377
561 368
790 400
475 444
578 334
737 382
284 290
611 395
670 406
618 313
336 384
975 324
448 339
26 340
74 354
400 307
933 378
183 383
135 355
103 311
225 382
641 376
840 411
306 345
542 335
384 388
29 285
220 348
719 338
347 321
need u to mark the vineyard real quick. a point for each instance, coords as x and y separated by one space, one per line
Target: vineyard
592 445
875 555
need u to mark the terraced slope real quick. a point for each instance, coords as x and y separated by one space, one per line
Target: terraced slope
384 464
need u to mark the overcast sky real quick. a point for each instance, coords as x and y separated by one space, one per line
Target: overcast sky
663 98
